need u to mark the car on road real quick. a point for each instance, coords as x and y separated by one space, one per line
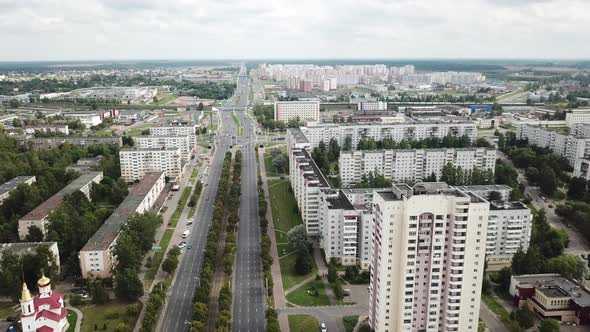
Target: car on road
346 292
186 233
324 329
189 222
189 247
181 245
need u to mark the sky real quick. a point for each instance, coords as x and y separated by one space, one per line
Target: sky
32 30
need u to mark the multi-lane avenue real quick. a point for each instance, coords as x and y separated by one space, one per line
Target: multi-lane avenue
178 312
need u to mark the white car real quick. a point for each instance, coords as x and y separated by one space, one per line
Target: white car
324 329
181 245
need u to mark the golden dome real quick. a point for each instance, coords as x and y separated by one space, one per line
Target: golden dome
25 295
44 281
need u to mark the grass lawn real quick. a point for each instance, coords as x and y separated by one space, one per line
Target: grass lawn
164 99
72 318
301 296
349 322
181 203
303 323
158 257
284 207
288 274
496 308
8 309
283 249
110 315
270 170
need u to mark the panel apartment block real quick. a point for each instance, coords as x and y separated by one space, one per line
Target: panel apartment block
135 162
411 165
428 252
304 110
158 142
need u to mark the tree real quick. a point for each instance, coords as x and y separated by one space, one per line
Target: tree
524 317
547 181
155 99
14 103
200 311
97 291
200 107
35 234
495 196
16 122
332 272
549 325
347 146
570 266
197 326
127 285
577 188
297 238
303 263
338 293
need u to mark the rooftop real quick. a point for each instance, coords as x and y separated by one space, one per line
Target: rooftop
107 233
298 135
500 205
133 149
21 248
313 168
339 202
577 292
43 210
485 187
553 292
12 184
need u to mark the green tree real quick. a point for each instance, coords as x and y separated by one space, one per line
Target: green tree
577 188
303 263
127 285
297 238
338 293
547 181
200 107
332 272
495 196
200 311
35 234
549 325
524 317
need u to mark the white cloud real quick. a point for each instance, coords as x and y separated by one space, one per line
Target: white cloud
204 29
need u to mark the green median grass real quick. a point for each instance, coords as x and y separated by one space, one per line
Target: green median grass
303 323
310 294
181 203
158 257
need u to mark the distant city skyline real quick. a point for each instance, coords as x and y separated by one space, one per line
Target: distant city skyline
59 30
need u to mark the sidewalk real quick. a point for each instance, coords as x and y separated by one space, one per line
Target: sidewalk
277 289
323 271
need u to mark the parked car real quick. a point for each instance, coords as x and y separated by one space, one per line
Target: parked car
181 245
324 329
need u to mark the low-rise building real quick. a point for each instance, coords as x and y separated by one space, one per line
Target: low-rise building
135 162
84 165
25 248
412 165
372 106
39 216
552 296
61 129
54 142
97 256
87 119
9 186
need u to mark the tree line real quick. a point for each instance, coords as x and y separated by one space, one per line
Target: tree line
201 296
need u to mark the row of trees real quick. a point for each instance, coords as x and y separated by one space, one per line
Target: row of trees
576 214
326 156
449 141
134 241
201 297
457 176
372 180
265 243
153 308
279 161
334 280
233 216
196 194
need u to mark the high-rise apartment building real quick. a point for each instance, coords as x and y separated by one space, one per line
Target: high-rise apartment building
571 147
411 165
509 228
304 110
181 142
177 129
136 162
396 131
428 251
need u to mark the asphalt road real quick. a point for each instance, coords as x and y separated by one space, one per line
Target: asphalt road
178 313
249 300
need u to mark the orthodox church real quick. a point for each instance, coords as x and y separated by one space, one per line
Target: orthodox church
45 312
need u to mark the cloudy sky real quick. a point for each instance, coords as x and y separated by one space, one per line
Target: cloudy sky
238 29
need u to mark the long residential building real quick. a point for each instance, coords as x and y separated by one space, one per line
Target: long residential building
39 216
29 248
8 187
570 147
428 251
302 110
97 257
136 162
306 181
177 129
395 131
181 142
60 129
411 165
54 142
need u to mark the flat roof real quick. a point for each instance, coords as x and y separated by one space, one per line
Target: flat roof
148 149
317 174
500 205
298 135
21 248
55 201
578 293
553 292
12 184
484 187
107 233
426 150
339 202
